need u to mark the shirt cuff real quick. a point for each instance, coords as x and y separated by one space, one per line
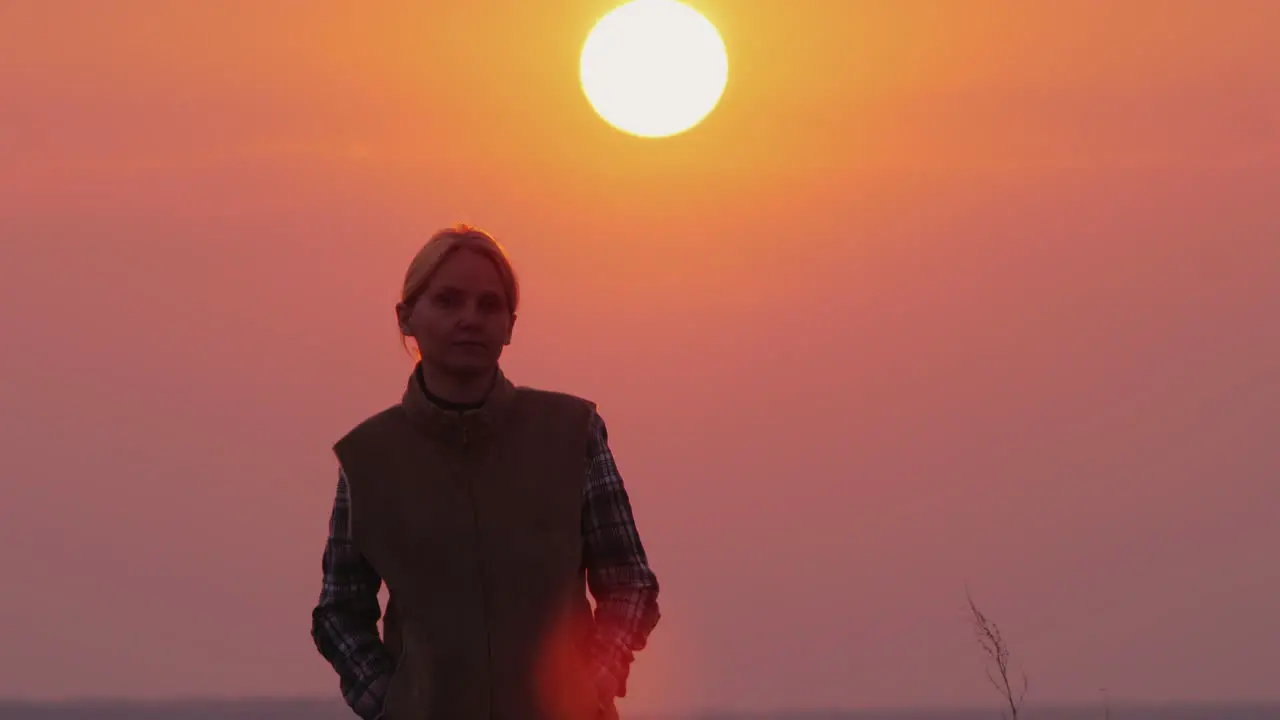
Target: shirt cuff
613 655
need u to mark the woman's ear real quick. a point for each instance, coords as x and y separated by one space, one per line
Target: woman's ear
403 312
510 327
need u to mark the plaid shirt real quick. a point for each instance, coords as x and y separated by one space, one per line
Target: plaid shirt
344 625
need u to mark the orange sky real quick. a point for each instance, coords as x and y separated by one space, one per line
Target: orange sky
942 293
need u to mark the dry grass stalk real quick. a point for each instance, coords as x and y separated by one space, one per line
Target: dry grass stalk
998 667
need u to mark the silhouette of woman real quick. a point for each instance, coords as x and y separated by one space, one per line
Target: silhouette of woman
490 511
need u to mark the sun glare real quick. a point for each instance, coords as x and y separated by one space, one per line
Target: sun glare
654 68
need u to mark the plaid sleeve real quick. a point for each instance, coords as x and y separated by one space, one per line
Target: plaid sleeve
618 574
344 624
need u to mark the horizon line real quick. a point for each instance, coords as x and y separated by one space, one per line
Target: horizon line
83 700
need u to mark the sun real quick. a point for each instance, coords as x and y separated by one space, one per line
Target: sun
654 68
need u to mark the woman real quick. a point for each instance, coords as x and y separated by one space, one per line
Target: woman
484 507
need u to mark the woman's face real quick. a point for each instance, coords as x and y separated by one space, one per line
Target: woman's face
461 320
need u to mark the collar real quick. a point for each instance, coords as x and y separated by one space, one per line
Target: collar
454 426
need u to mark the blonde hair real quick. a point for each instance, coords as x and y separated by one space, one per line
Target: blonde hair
442 245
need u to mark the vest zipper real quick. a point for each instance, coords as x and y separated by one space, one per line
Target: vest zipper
484 590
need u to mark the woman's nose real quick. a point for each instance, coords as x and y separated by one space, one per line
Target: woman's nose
470 314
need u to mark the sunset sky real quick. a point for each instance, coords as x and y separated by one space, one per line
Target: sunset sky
944 294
